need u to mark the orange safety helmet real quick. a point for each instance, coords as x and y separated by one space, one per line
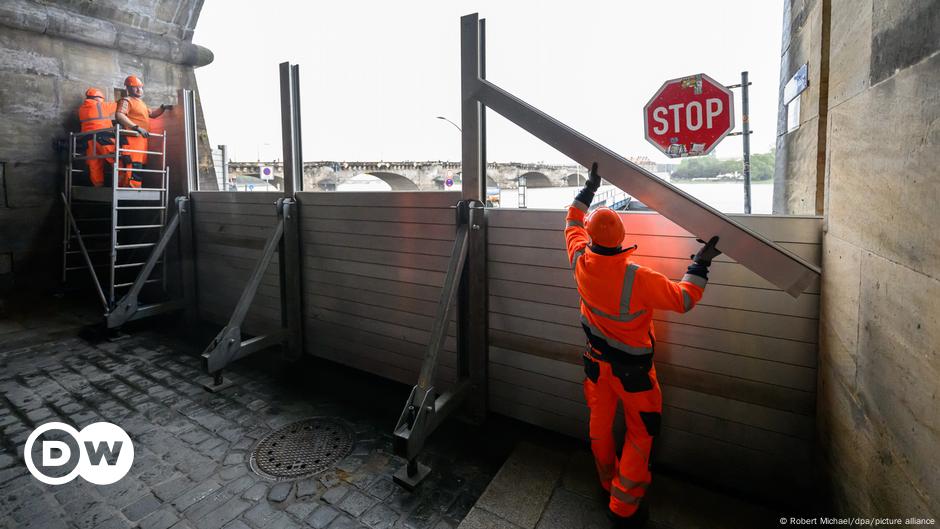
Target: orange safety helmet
605 227
133 80
93 92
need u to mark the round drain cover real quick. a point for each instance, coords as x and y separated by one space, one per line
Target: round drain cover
302 448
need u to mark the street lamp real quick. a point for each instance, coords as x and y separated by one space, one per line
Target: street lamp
451 122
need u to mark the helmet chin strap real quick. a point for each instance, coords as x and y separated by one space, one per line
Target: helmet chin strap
606 250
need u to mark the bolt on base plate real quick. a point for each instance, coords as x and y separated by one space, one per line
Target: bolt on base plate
218 384
411 482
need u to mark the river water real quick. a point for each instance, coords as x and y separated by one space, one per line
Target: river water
727 197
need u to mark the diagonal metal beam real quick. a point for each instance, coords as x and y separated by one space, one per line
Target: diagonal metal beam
774 263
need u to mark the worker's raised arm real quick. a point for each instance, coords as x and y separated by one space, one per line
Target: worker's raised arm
660 292
576 237
157 112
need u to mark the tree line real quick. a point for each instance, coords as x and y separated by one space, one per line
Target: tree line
762 167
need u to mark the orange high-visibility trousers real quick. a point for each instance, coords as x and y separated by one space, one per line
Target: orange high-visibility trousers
627 478
133 160
96 165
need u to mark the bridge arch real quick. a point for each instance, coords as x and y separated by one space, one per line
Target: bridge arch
574 180
536 179
395 181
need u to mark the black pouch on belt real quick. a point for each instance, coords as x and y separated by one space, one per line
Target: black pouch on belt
634 377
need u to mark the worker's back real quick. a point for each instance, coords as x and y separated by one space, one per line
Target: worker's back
94 114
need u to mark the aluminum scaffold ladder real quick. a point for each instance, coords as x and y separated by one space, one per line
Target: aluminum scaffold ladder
116 232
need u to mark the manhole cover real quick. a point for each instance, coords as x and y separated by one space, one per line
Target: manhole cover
302 448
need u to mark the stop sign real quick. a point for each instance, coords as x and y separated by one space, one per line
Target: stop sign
689 116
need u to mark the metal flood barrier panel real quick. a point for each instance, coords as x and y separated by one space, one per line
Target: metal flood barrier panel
374 265
738 371
229 232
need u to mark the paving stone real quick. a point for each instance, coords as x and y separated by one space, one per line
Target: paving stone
379 517
424 517
142 507
345 522
262 514
522 488
564 510
256 492
234 471
335 494
322 517
208 504
302 509
156 473
280 491
350 464
196 494
382 488
224 514
92 518
329 479
481 519
236 524
307 487
362 479
235 458
160 519
173 487
461 505
356 503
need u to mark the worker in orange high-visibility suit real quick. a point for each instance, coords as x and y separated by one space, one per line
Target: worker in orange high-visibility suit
95 113
618 298
132 113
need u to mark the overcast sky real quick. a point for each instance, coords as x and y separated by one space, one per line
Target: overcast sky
374 74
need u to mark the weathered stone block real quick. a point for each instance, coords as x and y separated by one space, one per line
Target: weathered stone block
898 370
796 158
850 49
838 302
883 155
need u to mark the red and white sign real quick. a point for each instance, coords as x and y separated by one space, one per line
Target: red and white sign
689 116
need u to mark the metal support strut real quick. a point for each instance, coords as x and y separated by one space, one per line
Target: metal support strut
425 409
128 308
228 345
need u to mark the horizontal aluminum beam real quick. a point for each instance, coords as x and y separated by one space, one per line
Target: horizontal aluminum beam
765 258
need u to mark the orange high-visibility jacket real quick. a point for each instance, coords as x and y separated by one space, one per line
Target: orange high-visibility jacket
95 114
135 110
618 296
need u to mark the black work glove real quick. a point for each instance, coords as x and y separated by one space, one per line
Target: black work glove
586 196
593 181
707 252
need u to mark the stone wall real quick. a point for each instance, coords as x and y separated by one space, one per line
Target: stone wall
879 363
50 53
799 172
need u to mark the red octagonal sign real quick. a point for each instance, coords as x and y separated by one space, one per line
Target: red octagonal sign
689 116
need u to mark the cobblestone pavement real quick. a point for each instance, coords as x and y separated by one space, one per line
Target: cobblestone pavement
192 447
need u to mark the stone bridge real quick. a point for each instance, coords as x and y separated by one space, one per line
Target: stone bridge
426 175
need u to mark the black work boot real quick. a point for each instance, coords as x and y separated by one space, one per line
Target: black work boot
637 520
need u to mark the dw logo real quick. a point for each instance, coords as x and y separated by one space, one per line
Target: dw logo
102 453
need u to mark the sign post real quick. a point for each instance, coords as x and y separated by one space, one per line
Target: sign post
746 133
689 116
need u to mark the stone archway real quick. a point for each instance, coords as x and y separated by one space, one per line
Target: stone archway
575 180
394 180
536 179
